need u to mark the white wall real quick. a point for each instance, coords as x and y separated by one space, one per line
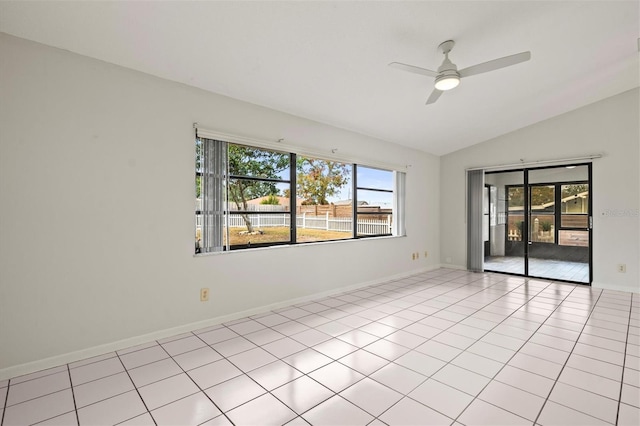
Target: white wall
610 127
97 221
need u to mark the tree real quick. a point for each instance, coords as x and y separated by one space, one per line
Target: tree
317 180
574 189
251 162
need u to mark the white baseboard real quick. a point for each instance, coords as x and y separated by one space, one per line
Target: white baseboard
55 361
451 266
607 286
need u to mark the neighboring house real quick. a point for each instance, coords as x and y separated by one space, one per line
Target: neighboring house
283 201
349 202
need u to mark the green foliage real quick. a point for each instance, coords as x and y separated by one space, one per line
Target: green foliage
271 200
516 196
539 195
317 180
542 195
545 225
253 162
569 190
247 161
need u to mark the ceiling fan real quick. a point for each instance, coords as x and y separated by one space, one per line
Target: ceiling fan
448 77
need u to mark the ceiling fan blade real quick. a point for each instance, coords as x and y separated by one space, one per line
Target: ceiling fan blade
434 96
415 70
495 64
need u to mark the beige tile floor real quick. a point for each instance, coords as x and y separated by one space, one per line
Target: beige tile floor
445 347
542 268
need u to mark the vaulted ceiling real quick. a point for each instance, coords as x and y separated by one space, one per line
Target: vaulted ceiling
327 61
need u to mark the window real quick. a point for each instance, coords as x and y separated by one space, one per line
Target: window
515 213
542 213
374 195
324 211
574 216
250 197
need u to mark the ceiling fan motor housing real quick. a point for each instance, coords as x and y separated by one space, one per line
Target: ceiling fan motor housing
448 76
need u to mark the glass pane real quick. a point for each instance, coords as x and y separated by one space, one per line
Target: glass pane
504 252
485 214
573 238
566 258
575 206
266 218
574 221
258 228
375 178
542 217
323 223
256 162
515 209
257 195
325 210
377 212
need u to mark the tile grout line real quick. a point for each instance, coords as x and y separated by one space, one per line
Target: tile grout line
516 352
73 395
200 390
512 356
137 391
390 293
6 399
35 397
476 340
624 359
332 359
565 364
360 348
481 289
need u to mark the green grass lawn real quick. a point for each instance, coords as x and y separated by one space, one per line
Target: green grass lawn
281 234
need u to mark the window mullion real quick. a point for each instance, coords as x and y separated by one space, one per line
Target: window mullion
354 199
293 203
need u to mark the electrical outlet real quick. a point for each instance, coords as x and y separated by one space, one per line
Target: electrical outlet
413 256
622 268
204 294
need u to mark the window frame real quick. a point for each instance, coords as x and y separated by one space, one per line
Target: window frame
356 205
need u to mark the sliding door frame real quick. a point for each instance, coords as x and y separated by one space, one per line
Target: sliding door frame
527 239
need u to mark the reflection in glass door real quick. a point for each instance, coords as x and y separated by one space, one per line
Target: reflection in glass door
506 247
546 224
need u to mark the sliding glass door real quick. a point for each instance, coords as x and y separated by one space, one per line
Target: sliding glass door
539 223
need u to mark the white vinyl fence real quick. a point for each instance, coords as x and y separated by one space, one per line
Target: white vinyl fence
339 224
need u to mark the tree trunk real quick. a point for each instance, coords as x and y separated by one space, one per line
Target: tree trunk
247 222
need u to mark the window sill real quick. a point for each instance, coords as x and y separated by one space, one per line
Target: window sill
286 246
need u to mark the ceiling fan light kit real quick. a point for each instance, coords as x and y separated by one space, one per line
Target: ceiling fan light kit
447 82
448 77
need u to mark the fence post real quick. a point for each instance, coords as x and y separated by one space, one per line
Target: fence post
389 224
326 215
304 220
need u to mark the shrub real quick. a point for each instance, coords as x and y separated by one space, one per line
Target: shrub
271 199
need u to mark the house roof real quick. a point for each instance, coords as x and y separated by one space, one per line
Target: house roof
327 61
283 201
349 202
